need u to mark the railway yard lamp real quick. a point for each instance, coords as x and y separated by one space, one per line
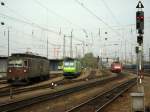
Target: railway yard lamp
2 23
2 3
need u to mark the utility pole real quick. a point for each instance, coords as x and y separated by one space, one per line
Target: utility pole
131 55
64 50
47 28
8 46
149 55
8 42
83 48
125 53
64 46
47 47
2 23
76 51
71 53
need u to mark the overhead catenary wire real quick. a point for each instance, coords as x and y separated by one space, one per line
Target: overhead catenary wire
97 17
28 23
36 39
27 20
32 24
111 12
43 28
18 43
58 15
16 13
55 13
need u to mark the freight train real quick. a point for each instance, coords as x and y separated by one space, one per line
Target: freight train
27 67
116 67
71 68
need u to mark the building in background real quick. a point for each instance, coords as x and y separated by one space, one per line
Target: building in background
3 67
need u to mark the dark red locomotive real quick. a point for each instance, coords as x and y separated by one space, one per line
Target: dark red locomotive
25 67
116 67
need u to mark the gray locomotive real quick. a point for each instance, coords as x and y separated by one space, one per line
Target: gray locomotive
27 67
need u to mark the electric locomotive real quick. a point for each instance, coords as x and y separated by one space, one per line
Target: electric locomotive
116 67
71 68
27 67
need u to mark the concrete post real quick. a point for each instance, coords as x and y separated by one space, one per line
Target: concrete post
137 102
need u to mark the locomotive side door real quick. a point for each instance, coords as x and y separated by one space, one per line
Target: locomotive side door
41 68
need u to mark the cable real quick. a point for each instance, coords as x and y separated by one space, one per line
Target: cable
26 20
28 23
98 18
32 24
111 12
36 37
16 13
53 12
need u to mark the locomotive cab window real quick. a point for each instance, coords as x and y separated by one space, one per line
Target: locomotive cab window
15 63
25 63
71 64
66 64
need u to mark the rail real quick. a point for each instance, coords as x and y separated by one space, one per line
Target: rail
97 103
12 106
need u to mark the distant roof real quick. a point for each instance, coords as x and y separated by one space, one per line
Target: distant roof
27 55
68 58
56 59
3 57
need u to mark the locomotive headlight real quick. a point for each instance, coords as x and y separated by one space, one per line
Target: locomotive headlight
117 67
9 70
24 70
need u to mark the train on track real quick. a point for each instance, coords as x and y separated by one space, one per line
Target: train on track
71 68
27 67
134 66
116 67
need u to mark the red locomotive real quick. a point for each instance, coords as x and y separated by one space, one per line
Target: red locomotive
116 67
25 67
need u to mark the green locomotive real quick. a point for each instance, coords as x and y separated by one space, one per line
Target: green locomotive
71 67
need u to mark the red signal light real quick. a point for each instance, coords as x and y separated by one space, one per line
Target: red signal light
142 17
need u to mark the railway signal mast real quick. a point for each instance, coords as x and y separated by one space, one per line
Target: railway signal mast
137 99
140 31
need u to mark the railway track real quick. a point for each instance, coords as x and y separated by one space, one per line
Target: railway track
3 81
16 90
97 103
4 87
12 106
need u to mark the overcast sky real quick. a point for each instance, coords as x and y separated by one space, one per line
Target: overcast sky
31 21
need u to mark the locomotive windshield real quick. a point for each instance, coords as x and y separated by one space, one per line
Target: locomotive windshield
15 63
68 63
